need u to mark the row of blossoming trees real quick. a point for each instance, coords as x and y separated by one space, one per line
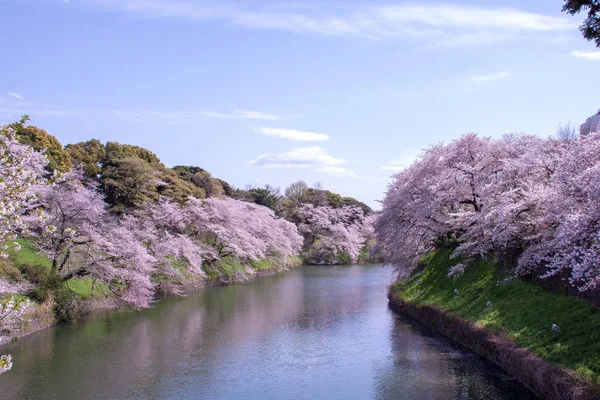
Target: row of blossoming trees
534 202
113 214
72 225
160 243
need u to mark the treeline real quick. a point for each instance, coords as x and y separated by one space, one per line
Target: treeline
531 202
114 215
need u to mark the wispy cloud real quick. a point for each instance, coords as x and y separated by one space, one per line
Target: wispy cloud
407 157
180 117
15 112
314 158
15 95
14 106
291 134
489 77
459 23
242 115
590 55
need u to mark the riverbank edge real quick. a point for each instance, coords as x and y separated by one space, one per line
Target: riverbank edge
238 277
542 378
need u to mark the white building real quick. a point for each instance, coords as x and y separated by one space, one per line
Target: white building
592 124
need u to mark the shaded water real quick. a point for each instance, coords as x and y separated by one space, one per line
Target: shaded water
310 333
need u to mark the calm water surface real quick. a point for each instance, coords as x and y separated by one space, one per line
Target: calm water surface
310 333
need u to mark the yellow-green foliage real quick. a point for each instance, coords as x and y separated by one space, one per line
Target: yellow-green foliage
39 139
523 311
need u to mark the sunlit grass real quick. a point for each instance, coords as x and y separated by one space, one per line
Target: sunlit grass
29 255
521 310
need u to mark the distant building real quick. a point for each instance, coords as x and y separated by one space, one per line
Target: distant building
592 124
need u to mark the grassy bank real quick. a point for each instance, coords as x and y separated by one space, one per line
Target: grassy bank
521 311
29 259
56 301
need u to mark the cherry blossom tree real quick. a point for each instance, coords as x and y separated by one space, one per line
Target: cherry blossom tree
521 178
21 170
570 240
244 230
333 235
5 363
83 239
530 200
162 228
11 311
11 314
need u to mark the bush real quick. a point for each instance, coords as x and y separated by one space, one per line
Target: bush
9 271
344 258
49 285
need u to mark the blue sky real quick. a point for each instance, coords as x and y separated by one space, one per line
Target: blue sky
260 92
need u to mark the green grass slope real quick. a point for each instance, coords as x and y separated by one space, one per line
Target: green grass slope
522 311
29 256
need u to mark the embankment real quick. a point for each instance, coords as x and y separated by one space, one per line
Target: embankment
509 322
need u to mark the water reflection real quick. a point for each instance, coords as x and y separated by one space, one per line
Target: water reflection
311 333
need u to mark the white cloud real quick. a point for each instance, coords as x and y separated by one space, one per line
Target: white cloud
15 95
242 115
490 77
291 134
437 22
339 172
590 55
303 156
314 158
407 157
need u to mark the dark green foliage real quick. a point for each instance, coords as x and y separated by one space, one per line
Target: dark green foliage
128 182
344 258
351 201
300 193
131 175
367 255
48 285
264 197
268 197
39 139
227 188
176 188
523 311
334 200
200 178
591 26
90 154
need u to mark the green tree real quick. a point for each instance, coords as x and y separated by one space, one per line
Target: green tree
267 197
351 201
200 178
591 26
334 199
39 139
227 188
128 182
90 154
